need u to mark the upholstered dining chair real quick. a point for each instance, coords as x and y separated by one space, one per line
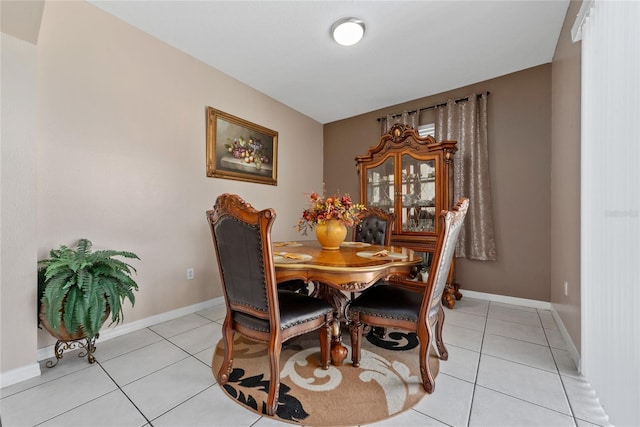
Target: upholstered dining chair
375 227
406 309
255 307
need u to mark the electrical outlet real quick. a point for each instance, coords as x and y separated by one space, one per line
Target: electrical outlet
190 273
566 288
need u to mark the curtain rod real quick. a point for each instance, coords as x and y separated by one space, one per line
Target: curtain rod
419 110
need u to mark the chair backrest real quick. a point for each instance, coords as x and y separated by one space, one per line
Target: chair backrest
375 227
242 240
443 255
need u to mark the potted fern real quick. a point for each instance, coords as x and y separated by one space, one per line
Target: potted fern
79 288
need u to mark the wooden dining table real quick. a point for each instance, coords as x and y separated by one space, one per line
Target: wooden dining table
337 274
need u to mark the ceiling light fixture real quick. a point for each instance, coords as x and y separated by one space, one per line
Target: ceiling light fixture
347 31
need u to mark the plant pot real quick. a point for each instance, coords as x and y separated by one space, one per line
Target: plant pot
61 334
331 234
70 341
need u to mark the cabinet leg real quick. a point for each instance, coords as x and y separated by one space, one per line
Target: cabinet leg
456 291
448 298
452 290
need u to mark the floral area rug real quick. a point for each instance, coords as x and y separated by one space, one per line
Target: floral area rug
386 383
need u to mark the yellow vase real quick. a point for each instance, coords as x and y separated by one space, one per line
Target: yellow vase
331 234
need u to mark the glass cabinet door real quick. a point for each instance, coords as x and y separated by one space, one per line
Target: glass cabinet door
418 188
380 185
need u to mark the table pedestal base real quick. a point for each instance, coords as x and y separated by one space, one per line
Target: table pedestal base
338 351
339 301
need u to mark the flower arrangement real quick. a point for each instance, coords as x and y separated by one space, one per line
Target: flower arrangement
322 209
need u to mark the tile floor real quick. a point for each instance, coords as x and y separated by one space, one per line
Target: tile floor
507 366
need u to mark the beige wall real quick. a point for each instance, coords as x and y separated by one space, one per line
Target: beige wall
121 161
120 140
21 19
519 110
565 177
18 206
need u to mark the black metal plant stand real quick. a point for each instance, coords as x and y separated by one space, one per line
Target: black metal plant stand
87 344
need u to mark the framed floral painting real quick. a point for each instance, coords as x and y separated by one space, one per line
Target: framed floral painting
241 150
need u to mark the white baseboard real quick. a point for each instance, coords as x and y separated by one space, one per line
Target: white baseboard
26 372
571 347
30 371
17 375
107 334
543 305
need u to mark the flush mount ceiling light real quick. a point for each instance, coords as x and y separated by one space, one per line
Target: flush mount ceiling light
347 31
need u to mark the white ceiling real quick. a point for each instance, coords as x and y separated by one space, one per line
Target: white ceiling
411 49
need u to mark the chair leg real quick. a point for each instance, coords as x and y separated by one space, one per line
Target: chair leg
275 346
355 328
428 382
227 363
325 342
443 354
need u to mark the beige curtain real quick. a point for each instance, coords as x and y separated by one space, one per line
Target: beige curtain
409 118
466 122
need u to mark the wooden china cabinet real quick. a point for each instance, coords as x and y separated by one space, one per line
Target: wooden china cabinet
411 176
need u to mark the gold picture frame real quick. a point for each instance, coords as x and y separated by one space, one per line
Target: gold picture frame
240 150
